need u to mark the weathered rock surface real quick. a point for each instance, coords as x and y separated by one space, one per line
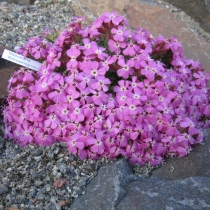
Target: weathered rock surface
198 9
155 194
195 164
107 189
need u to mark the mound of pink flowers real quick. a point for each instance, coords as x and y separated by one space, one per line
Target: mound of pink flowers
108 92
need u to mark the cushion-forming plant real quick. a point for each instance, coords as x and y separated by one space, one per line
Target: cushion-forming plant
108 91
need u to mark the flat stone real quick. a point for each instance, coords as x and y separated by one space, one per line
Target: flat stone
156 19
154 194
195 164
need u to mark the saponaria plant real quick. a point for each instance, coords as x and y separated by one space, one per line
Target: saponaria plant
108 91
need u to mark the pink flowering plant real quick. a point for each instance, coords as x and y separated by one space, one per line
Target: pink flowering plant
108 91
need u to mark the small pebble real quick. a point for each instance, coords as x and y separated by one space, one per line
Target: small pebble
37 152
3 189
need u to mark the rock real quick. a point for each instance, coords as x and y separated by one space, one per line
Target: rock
106 189
34 174
41 196
63 144
2 142
90 167
37 152
3 189
82 183
60 183
155 194
50 206
49 1
62 168
197 9
63 203
208 4
60 193
4 3
12 208
117 188
39 183
21 199
195 164
33 193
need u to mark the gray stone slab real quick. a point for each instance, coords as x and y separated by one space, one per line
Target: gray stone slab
195 164
153 194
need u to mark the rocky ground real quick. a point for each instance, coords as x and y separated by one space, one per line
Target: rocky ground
47 178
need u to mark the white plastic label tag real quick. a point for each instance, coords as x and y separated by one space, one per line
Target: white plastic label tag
19 59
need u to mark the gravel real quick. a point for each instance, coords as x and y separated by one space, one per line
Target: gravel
45 177
18 23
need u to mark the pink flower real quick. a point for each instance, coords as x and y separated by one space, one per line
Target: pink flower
101 83
123 86
97 143
92 68
120 33
114 46
44 139
201 78
83 80
112 17
63 111
126 69
52 121
148 70
77 112
74 144
133 106
93 30
73 53
131 49
26 134
98 51
137 158
21 91
52 54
